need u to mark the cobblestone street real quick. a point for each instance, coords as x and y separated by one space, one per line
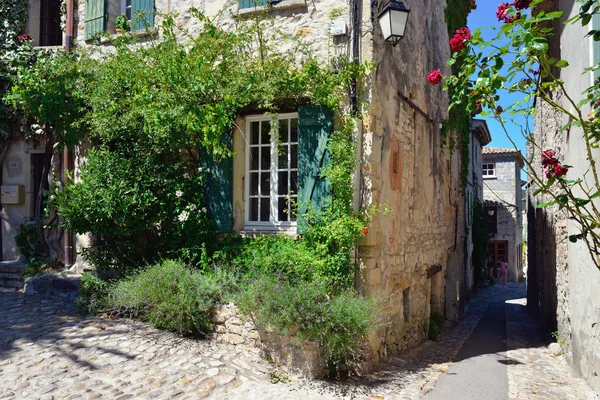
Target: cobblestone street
48 351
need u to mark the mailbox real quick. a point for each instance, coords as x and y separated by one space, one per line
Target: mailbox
13 194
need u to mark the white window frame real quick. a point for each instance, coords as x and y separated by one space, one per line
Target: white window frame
272 224
494 169
124 8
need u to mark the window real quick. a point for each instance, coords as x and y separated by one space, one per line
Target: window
489 169
272 172
43 22
100 16
255 3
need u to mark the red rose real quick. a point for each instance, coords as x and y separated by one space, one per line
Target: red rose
25 37
521 4
560 170
502 11
434 77
365 231
462 35
510 19
457 44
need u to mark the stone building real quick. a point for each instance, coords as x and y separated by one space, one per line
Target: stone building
502 199
480 136
414 257
562 278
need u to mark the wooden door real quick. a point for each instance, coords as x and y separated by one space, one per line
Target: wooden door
498 249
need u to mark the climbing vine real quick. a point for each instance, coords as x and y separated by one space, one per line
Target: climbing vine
456 130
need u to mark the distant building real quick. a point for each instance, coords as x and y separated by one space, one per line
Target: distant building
480 136
503 204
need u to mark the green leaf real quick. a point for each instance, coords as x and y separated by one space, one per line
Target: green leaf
546 204
562 64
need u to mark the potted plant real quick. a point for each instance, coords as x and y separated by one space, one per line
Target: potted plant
122 24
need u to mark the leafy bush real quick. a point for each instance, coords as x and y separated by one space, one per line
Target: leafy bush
338 324
138 208
170 296
93 293
32 249
436 326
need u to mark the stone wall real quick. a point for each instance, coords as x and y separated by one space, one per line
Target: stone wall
563 281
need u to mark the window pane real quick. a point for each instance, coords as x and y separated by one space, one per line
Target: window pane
254 209
294 151
283 158
264 208
294 208
265 132
282 183
294 182
254 132
253 158
294 129
265 183
283 131
265 157
254 184
282 209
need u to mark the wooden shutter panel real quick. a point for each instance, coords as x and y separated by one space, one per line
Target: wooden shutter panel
596 44
94 18
219 189
315 124
255 3
142 14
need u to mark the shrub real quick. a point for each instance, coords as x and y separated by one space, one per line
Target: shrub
338 324
32 249
436 326
170 296
93 293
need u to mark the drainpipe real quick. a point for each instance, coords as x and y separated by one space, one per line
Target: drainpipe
356 19
69 26
67 155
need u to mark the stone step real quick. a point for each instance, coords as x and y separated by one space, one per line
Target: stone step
12 275
12 267
12 284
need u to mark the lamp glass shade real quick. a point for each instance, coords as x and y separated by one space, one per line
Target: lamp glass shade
393 21
491 212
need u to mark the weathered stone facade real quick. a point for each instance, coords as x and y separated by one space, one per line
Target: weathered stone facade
562 279
414 258
502 192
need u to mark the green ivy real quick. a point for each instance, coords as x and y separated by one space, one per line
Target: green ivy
457 129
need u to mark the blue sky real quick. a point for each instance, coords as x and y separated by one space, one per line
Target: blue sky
485 16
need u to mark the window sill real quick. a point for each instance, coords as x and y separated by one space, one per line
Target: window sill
284 5
490 177
138 33
254 231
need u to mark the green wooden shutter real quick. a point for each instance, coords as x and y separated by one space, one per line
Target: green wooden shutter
142 14
219 189
315 124
255 3
94 18
596 44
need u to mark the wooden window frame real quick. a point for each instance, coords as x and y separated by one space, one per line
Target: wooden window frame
483 170
273 224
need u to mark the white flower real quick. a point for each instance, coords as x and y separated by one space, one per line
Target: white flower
179 193
183 216
192 207
203 209
186 176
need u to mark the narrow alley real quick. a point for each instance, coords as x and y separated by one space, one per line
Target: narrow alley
47 351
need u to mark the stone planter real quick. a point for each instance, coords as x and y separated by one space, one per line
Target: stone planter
292 355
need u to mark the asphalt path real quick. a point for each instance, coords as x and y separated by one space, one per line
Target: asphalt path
480 369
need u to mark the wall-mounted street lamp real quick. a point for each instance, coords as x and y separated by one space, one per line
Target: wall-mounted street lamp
491 212
392 19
